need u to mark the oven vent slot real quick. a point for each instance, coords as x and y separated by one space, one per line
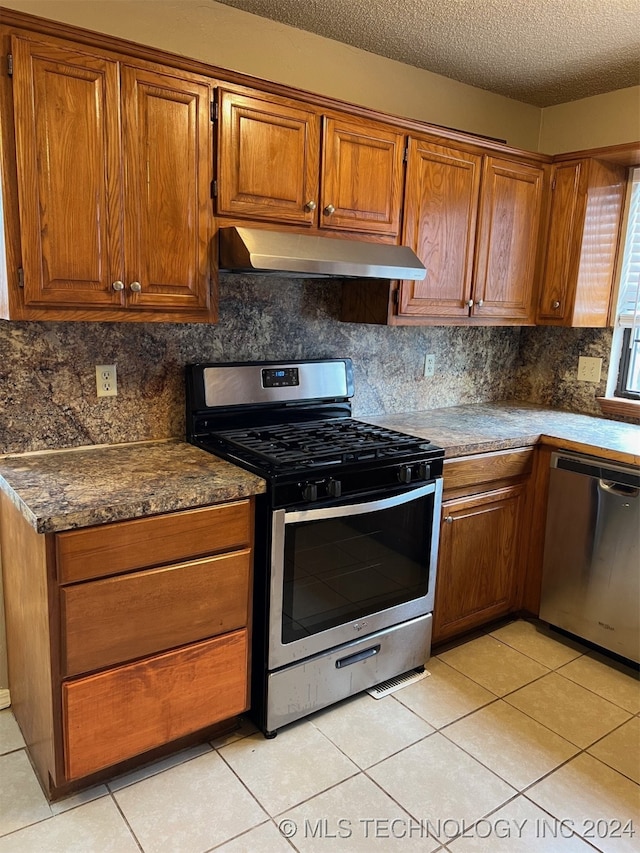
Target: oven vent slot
393 684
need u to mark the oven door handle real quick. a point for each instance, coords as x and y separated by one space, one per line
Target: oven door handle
343 510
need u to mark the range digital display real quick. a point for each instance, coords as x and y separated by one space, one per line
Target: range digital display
280 377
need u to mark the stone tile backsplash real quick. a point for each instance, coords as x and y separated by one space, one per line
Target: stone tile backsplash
47 370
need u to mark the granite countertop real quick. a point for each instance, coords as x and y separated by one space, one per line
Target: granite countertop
64 489
465 430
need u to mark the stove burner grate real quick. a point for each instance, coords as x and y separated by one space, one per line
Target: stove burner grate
321 442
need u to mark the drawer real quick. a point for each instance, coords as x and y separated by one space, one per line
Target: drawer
109 549
117 619
487 468
126 711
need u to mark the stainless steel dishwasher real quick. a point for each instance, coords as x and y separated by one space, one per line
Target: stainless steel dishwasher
591 569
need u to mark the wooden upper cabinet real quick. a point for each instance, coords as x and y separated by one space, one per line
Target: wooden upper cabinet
270 167
362 176
584 227
114 164
67 122
441 202
168 162
268 158
510 211
473 220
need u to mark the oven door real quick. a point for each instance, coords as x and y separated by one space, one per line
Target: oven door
345 571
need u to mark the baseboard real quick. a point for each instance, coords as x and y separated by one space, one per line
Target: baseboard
5 699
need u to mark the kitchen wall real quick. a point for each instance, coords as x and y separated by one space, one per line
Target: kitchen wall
594 122
47 370
548 362
229 38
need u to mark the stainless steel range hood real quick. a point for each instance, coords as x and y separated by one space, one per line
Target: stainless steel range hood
258 250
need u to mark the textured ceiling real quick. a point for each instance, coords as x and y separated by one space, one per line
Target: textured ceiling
542 52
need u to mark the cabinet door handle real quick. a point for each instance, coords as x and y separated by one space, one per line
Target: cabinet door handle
470 303
118 285
448 519
329 209
135 286
310 206
555 304
480 303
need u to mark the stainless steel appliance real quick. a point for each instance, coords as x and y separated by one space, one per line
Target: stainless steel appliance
264 251
591 570
346 534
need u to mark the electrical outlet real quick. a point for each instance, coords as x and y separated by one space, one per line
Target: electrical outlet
106 381
429 364
589 369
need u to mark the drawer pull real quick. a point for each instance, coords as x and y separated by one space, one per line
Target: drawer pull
449 519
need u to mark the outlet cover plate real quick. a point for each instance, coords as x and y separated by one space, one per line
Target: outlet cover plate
589 369
429 364
106 380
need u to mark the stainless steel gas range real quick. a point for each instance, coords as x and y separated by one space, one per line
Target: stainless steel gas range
346 533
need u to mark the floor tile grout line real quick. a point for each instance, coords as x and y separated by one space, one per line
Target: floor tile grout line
280 814
243 833
157 772
126 821
556 817
594 692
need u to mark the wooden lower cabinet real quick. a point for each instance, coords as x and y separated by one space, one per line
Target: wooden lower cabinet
123 638
483 540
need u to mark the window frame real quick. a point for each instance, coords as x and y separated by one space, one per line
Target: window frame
624 365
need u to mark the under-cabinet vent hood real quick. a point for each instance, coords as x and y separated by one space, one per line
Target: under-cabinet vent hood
258 250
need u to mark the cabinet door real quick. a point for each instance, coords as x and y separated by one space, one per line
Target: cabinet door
510 207
67 119
563 241
268 159
168 158
362 165
441 200
478 560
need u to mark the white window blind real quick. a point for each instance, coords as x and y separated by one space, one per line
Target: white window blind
629 293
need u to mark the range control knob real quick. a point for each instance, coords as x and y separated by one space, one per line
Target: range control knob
310 492
404 473
334 488
424 471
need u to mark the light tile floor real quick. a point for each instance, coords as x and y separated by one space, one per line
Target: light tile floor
519 740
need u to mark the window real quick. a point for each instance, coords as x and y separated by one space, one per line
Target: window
627 334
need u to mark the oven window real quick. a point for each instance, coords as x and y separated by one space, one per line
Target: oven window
349 567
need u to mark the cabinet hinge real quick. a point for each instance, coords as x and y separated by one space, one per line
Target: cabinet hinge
406 154
214 111
20 277
10 64
553 185
395 298
214 189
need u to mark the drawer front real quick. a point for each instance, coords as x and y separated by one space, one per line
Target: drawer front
124 712
109 549
487 468
114 620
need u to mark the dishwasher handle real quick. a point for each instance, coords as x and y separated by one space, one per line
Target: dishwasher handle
613 478
619 489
